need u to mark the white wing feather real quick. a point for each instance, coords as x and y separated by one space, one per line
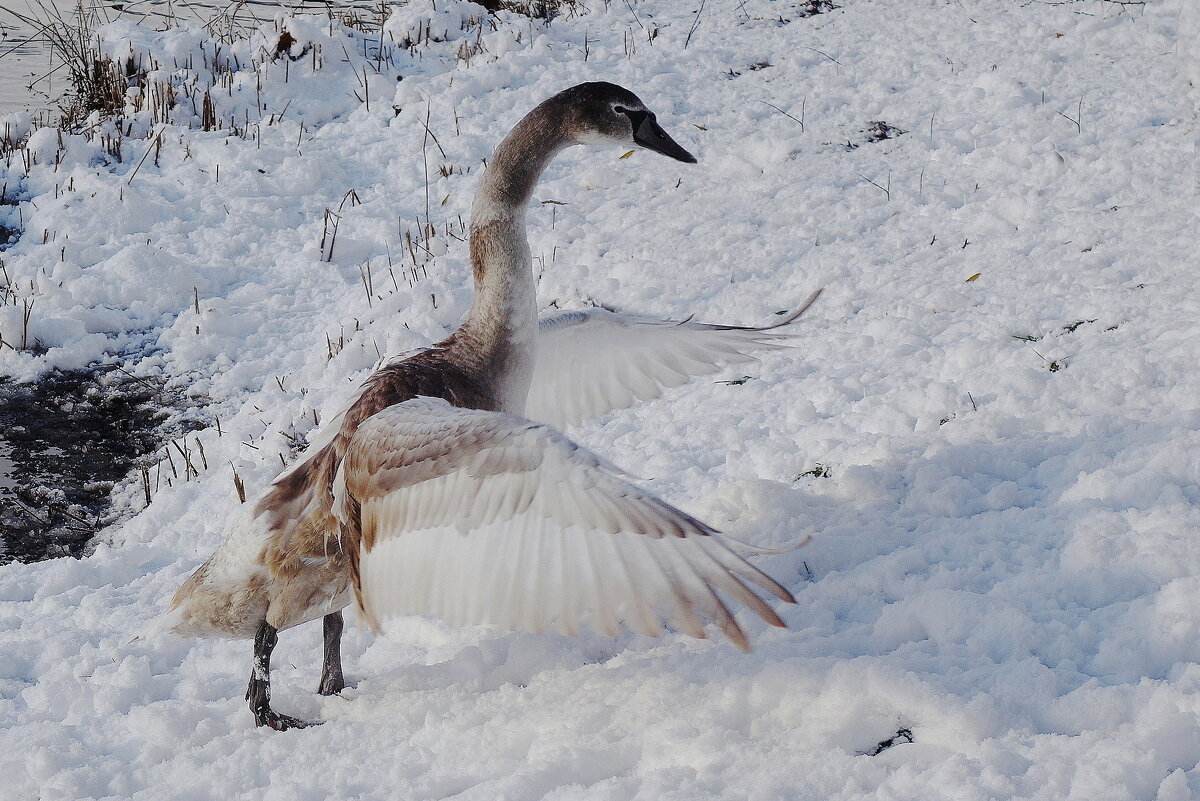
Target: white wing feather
595 361
483 517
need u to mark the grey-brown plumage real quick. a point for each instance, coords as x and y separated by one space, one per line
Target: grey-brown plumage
297 551
302 567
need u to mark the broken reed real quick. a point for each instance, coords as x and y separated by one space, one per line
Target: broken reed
544 10
8 297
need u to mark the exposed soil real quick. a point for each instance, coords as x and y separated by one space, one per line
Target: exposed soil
64 442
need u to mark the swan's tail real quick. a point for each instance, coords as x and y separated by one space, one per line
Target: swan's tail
160 625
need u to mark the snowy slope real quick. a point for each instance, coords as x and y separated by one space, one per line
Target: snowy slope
1005 560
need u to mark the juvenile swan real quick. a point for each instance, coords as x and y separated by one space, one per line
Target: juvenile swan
433 493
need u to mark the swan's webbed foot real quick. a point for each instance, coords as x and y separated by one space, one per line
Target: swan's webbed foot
281 722
258 691
331 685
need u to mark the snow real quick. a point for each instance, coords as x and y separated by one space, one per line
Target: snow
1004 558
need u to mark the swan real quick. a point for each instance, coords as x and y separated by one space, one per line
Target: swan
445 487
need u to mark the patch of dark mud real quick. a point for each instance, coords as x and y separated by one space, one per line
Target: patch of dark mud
9 232
8 235
876 131
65 442
811 8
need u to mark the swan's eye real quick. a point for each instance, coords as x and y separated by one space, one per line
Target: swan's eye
620 109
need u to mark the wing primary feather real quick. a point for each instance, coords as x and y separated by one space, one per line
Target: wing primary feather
409 517
684 617
591 363
712 602
454 557
486 502
608 511
477 561
730 584
556 576
491 518
477 607
535 590
362 585
641 617
796 314
743 569
603 616
503 581
516 595
572 584
598 507
758 549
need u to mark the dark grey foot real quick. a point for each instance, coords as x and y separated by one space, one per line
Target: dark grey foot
258 691
280 722
332 682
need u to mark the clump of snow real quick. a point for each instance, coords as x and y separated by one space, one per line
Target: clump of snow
15 127
998 383
50 146
428 22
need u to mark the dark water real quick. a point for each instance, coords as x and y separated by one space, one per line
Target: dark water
64 442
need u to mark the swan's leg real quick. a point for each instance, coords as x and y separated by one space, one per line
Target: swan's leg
258 693
332 682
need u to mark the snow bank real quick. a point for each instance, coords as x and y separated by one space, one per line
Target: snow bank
998 387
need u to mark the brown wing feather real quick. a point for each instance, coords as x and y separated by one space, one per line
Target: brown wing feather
299 503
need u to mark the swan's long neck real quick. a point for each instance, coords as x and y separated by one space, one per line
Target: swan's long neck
501 328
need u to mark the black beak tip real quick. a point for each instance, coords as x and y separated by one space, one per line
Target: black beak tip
650 135
667 147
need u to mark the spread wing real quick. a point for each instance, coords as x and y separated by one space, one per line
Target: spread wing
594 361
483 517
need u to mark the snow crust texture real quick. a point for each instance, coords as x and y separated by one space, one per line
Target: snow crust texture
990 424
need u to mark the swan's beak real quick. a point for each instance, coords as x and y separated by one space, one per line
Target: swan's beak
650 135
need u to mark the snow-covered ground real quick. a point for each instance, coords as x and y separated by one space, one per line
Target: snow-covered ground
32 78
991 423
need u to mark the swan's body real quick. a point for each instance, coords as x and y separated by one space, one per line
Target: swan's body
433 493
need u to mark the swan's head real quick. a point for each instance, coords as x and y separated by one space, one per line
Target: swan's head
600 113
